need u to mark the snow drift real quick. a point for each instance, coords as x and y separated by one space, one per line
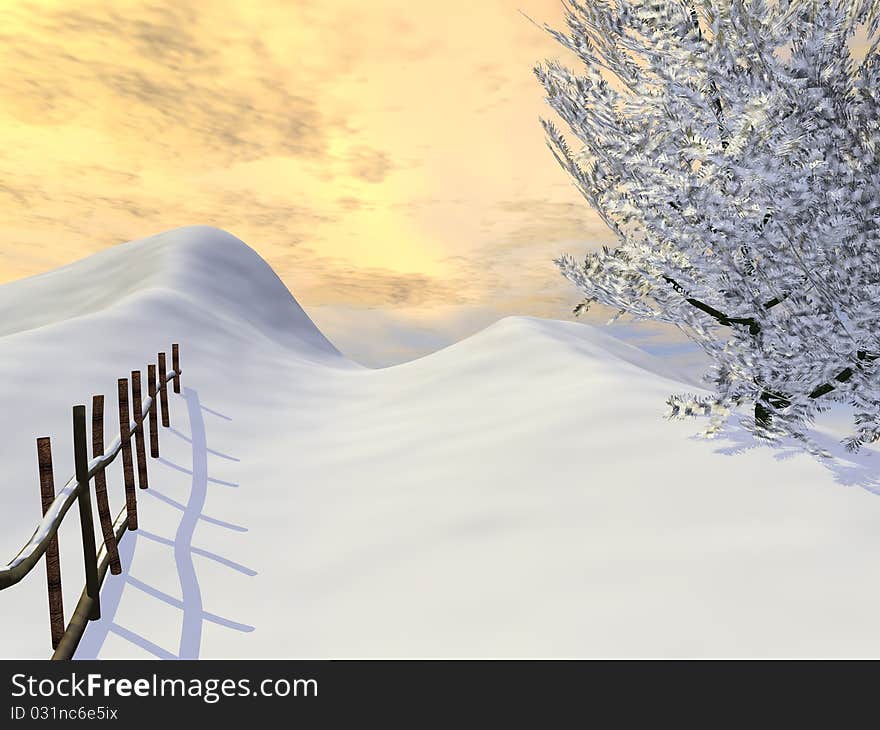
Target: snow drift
515 494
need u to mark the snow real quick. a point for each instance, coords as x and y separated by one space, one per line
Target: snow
517 494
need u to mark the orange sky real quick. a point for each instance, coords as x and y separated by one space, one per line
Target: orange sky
379 155
384 157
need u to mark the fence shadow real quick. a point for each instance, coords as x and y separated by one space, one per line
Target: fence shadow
213 452
111 595
191 602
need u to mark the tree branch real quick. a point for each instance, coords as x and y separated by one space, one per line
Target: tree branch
842 376
715 97
779 401
721 317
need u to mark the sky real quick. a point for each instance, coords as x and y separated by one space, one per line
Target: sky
386 158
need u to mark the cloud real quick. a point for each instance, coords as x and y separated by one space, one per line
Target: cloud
253 210
331 281
548 219
370 165
157 72
340 140
392 288
349 202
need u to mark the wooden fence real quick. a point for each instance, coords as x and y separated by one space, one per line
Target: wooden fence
44 541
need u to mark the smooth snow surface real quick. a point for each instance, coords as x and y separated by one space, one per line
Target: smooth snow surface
516 494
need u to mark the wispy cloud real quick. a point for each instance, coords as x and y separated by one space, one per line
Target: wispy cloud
379 155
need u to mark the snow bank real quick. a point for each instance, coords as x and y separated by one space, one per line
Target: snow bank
515 494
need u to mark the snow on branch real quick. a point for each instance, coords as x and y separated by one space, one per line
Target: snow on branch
732 149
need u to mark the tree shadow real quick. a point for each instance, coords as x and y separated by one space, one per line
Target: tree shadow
860 469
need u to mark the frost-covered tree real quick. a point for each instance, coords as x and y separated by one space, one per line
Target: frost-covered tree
732 148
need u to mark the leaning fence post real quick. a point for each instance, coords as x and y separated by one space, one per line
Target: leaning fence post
175 366
81 460
53 564
101 485
127 465
139 435
154 426
163 390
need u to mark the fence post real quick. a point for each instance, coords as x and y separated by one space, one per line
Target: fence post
137 405
163 390
81 460
154 426
127 465
175 365
101 486
53 564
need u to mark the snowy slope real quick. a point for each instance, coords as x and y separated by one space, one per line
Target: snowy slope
515 494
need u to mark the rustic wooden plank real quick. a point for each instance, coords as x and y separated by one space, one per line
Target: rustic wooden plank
101 486
163 390
86 521
137 405
53 563
154 424
127 463
175 365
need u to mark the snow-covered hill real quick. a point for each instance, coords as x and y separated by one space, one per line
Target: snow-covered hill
515 494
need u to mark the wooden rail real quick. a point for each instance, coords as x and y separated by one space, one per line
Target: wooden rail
44 541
